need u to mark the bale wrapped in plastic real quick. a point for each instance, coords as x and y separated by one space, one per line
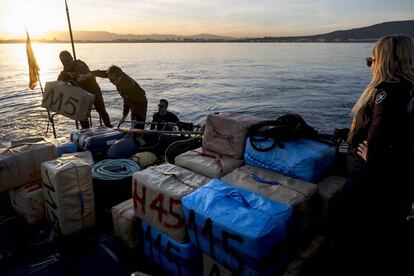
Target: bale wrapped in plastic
330 189
68 100
145 158
241 230
211 267
157 193
96 140
66 148
207 163
21 164
225 133
274 186
28 201
175 258
126 225
308 160
83 155
68 194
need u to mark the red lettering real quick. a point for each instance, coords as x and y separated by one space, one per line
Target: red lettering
157 205
141 199
180 220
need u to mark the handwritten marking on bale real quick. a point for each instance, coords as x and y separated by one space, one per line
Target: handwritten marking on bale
157 205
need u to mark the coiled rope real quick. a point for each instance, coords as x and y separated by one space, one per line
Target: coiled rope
114 169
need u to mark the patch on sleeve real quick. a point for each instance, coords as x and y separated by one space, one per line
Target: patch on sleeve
380 97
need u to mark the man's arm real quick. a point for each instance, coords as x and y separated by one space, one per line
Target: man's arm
84 73
65 76
100 73
153 123
124 114
380 128
68 77
174 118
126 109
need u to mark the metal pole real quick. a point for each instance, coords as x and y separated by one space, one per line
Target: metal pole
70 31
142 131
48 113
41 89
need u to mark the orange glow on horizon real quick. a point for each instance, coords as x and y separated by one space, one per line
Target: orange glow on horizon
38 19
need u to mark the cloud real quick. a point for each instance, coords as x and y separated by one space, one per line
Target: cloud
227 17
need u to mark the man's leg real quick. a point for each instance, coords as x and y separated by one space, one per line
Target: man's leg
100 108
139 118
85 123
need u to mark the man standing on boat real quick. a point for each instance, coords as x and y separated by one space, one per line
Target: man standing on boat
133 95
76 72
163 117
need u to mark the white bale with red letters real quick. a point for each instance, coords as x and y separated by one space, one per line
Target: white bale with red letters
157 193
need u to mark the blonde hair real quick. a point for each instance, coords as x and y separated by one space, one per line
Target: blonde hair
393 55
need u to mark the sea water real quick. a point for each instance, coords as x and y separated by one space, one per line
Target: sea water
320 81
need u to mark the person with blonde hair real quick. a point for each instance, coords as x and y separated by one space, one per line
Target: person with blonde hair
379 186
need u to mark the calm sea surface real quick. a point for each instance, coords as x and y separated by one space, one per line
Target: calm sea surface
320 81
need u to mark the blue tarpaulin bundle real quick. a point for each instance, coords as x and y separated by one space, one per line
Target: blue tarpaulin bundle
239 229
305 159
97 140
174 257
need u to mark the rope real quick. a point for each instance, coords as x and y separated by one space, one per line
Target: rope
114 169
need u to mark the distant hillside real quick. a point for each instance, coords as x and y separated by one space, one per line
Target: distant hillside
369 33
107 36
373 32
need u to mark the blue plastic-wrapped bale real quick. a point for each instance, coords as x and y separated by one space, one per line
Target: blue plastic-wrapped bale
96 140
239 229
308 160
66 148
281 188
174 257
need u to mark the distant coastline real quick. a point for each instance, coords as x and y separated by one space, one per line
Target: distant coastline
250 40
364 34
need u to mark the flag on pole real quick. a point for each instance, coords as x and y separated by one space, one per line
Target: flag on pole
33 67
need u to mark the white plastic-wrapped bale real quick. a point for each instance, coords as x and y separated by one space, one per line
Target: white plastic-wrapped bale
207 163
157 193
28 201
68 194
20 165
83 155
126 223
278 187
225 133
67 100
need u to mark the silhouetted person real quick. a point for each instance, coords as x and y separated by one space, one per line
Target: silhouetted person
76 72
133 95
164 117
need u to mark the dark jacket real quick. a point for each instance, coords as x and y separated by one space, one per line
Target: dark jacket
80 67
133 95
385 123
167 118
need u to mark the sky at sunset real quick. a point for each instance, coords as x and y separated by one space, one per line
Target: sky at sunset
239 18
